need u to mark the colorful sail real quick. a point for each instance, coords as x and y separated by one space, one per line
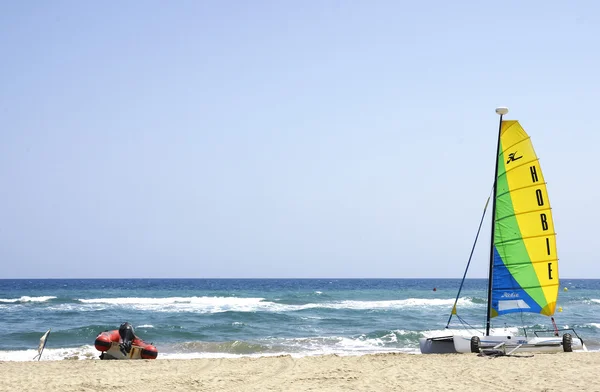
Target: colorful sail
525 265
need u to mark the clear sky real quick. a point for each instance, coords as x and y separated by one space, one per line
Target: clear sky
318 138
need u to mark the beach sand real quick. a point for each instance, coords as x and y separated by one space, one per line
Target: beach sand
381 372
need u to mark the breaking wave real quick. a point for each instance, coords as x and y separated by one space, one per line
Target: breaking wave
237 304
26 299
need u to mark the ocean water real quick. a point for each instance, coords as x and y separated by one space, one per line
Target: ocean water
195 318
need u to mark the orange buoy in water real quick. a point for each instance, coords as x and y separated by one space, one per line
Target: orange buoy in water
434 289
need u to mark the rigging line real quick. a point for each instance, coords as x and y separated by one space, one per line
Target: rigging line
467 325
523 323
462 282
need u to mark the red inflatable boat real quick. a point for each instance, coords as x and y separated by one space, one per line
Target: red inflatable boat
123 344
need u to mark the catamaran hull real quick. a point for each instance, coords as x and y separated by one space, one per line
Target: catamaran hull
463 344
441 345
457 343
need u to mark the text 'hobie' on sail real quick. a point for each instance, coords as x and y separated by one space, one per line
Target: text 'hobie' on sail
523 270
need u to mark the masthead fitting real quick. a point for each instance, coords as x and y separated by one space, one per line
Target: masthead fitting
502 110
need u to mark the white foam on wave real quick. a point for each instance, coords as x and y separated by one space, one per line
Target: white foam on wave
52 354
361 344
340 345
396 304
302 347
597 301
183 304
173 300
25 299
237 304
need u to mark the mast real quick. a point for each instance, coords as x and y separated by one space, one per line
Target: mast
501 111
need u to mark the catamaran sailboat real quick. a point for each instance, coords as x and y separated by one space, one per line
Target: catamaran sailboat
523 271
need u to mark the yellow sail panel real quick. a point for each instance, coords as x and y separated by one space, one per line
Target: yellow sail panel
540 249
535 223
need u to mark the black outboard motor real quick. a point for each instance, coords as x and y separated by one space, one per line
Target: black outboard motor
127 336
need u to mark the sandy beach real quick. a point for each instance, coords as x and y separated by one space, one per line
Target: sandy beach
382 372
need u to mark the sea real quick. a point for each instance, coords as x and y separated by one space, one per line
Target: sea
211 318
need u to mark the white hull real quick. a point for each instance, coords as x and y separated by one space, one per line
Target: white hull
461 343
442 342
439 345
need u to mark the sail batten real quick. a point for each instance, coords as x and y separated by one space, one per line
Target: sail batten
515 143
509 288
525 263
525 187
522 238
534 262
518 166
522 213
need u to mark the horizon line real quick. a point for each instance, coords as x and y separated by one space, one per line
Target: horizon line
256 278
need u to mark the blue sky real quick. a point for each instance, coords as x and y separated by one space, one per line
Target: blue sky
214 139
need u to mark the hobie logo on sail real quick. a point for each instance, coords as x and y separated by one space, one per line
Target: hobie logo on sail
512 158
510 295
